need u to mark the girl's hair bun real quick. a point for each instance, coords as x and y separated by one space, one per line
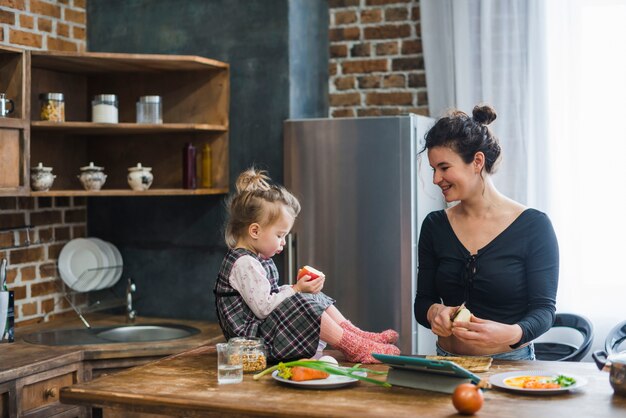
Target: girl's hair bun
484 114
251 180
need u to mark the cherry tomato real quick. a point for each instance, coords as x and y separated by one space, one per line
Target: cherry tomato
467 398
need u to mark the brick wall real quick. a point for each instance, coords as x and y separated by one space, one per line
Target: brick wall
32 273
376 63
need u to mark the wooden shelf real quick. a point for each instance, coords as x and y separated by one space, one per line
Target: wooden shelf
13 123
123 192
90 128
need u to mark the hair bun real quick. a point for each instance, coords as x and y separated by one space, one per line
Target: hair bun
251 180
484 114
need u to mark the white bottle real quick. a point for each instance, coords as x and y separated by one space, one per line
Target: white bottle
104 108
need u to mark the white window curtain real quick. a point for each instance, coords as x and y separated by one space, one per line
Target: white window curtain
557 78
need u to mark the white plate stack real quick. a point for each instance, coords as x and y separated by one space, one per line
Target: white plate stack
89 264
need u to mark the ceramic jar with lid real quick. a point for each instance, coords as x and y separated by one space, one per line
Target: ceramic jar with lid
92 177
139 177
253 352
41 178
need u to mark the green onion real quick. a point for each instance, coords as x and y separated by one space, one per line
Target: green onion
564 381
325 367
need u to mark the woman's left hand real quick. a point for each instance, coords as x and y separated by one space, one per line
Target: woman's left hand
485 333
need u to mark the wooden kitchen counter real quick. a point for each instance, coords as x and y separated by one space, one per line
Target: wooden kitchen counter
186 384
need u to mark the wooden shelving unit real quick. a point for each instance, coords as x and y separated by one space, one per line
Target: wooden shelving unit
195 94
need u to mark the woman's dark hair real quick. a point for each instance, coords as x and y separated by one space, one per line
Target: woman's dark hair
467 135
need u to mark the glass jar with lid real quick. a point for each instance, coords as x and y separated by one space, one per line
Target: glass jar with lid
52 107
253 351
104 108
149 109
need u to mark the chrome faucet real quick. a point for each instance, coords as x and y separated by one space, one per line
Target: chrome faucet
131 314
3 274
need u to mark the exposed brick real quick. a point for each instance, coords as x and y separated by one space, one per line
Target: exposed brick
332 68
61 201
29 309
1 35
360 50
26 322
7 239
396 14
80 4
365 66
46 9
394 98
45 234
415 13
63 29
48 270
27 22
75 215
345 83
13 4
345 18
387 48
8 220
418 30
351 33
62 233
44 25
11 275
19 292
44 202
406 64
46 217
56 44
394 80
26 202
411 47
382 2
387 32
371 111
63 1
79 33
422 98
54 250
417 80
42 288
28 273
47 305
371 16
369 82
391 111
8 202
342 3
26 255
345 99
338 51
422 110
79 231
7 17
343 113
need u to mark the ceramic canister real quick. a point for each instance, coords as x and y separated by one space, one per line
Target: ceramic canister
92 177
41 178
139 177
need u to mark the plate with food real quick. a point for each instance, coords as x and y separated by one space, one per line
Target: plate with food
537 382
314 379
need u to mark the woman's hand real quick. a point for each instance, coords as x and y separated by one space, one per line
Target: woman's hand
305 285
439 317
485 333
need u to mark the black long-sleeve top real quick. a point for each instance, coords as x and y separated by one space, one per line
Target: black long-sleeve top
512 280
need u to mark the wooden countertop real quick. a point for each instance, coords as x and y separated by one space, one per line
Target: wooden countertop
186 384
22 358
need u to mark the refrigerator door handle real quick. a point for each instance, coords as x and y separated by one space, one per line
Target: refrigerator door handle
290 255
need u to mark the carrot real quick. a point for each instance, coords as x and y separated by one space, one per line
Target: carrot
299 374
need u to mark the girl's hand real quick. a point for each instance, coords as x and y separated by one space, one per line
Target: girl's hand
305 285
484 333
439 318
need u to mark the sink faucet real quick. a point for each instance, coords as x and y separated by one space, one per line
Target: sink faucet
131 314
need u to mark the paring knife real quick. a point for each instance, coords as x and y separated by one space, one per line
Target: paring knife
458 311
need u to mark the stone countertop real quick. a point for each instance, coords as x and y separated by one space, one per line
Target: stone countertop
22 358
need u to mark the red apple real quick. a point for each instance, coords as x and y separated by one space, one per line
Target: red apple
310 271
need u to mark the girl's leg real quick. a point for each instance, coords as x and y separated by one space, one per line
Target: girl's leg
388 336
355 348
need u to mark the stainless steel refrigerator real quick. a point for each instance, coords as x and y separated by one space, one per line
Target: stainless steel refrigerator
364 193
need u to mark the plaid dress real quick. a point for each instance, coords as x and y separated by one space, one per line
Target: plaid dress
291 331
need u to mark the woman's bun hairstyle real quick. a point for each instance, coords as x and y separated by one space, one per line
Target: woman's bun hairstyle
484 114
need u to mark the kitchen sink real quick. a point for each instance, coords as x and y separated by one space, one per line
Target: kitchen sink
112 335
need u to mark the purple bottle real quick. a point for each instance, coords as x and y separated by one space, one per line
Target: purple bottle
189 166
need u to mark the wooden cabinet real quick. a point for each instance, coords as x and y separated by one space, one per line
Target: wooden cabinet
195 95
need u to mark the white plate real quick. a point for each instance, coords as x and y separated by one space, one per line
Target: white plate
497 380
331 382
118 263
108 258
76 258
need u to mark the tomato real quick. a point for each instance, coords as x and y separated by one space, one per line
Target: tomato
467 398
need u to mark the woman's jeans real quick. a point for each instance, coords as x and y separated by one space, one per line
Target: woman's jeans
524 353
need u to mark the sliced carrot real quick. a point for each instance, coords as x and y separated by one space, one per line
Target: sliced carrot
299 374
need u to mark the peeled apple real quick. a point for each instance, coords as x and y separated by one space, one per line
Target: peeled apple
467 398
310 271
464 315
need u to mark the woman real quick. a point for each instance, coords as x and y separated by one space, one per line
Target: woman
488 251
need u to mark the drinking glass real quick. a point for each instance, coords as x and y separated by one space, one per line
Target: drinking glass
229 363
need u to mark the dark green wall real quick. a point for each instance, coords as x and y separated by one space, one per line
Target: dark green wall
278 52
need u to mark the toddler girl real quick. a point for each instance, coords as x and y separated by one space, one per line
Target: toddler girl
250 303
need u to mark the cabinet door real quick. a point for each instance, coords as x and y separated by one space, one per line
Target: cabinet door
7 404
10 158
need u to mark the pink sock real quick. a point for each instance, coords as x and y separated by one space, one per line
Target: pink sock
359 350
388 336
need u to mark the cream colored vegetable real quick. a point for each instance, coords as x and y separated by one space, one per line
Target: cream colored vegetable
464 315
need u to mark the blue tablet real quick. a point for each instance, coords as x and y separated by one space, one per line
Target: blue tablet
420 364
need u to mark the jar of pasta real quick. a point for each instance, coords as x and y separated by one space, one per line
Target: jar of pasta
253 352
52 107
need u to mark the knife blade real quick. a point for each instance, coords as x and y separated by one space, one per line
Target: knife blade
458 311
3 274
